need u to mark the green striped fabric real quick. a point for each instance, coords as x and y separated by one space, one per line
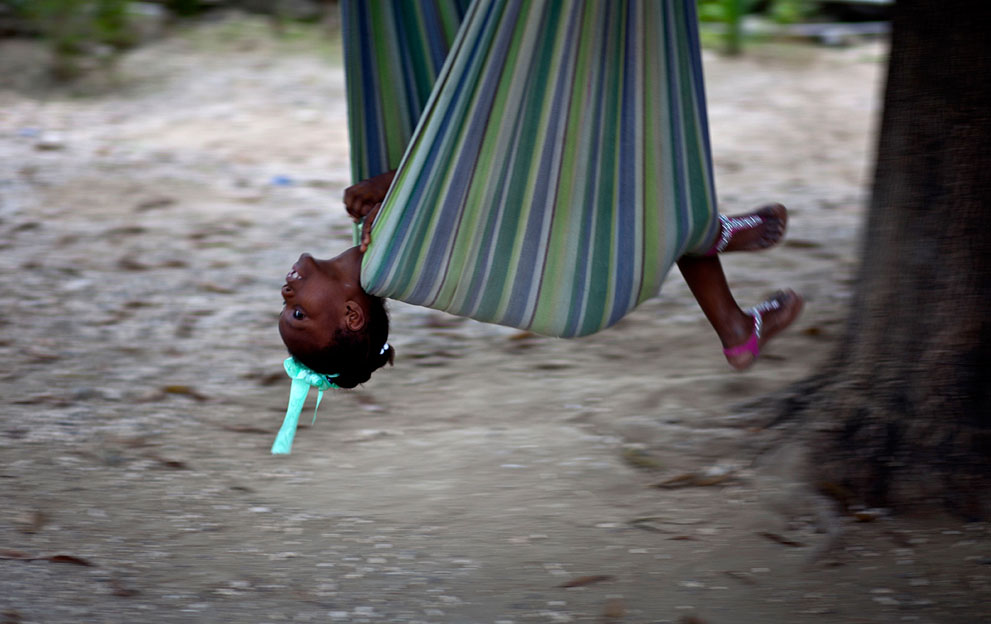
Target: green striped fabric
560 167
393 51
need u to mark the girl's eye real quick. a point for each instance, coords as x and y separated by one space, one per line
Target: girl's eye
298 314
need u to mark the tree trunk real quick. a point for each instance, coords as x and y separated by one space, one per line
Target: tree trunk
903 412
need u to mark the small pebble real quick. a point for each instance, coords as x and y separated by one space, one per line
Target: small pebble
50 141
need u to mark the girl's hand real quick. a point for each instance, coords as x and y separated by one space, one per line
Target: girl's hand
361 198
366 227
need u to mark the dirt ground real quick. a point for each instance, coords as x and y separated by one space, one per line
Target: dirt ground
146 222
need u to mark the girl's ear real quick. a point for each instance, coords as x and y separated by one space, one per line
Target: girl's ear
354 316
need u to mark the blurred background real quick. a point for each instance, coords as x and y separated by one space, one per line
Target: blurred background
162 164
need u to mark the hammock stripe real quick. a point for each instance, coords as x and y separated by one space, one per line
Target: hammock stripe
560 167
393 51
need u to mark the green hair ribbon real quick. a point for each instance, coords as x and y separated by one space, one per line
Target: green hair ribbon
303 378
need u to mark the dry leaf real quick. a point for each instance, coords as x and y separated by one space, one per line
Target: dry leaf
34 399
130 264
215 288
640 459
245 429
125 230
582 581
868 515
647 524
691 479
523 335
153 203
552 365
682 480
713 480
741 576
798 243
11 616
136 442
774 537
69 559
168 463
185 391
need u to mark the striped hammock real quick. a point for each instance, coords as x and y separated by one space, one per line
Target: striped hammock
559 167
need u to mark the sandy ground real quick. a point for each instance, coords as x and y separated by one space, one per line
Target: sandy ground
145 227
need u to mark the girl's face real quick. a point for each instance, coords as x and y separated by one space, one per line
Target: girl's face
320 299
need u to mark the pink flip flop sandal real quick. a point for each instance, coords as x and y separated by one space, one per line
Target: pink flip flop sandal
731 226
752 344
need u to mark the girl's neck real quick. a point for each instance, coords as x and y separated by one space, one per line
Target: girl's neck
348 264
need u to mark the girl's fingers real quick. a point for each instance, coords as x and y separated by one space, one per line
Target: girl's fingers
366 228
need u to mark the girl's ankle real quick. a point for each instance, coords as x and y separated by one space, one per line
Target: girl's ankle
737 330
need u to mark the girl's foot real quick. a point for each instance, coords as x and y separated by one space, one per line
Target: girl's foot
763 228
769 319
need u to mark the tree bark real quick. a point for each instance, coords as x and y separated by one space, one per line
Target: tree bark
903 411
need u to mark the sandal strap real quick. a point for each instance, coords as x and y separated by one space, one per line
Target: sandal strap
752 345
730 227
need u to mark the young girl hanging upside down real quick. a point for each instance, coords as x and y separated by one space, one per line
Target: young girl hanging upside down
545 176
332 326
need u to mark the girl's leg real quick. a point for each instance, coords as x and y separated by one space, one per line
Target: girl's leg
704 276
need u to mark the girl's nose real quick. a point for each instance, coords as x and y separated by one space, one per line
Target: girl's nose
286 290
